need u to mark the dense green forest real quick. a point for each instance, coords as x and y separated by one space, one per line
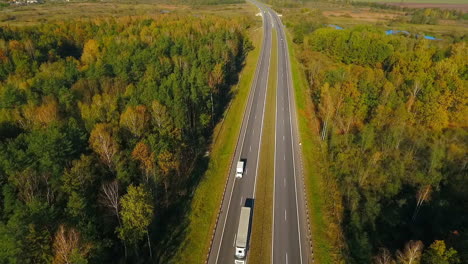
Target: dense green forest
101 126
392 115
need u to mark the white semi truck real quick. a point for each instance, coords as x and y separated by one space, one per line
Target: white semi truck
240 169
242 235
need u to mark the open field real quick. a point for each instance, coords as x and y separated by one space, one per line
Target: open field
206 200
363 15
418 1
50 12
462 6
262 222
348 16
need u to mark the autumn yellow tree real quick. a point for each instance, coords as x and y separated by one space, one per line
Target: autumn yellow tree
135 119
90 52
143 154
42 115
103 142
411 254
69 247
167 163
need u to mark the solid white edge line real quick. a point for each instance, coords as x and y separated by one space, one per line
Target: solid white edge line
259 62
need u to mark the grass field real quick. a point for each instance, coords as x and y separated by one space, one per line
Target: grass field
348 16
418 1
59 11
261 239
207 198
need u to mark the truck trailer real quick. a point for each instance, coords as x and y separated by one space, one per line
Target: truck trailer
242 235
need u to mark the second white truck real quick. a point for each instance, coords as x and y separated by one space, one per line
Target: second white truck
242 235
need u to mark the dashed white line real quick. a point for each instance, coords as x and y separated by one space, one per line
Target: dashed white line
242 198
284 181
286 257
250 148
283 138
285 215
234 242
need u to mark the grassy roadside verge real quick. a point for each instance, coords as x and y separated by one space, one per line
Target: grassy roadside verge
205 203
312 157
261 238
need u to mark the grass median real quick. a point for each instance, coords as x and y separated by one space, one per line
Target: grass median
207 197
261 239
313 165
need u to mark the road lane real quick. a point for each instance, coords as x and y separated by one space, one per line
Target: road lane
241 192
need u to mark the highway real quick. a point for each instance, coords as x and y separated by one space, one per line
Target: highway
241 192
290 236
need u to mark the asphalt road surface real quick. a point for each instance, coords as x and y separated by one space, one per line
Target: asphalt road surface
290 235
241 192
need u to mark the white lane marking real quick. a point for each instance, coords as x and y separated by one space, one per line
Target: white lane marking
250 148
284 181
234 242
283 138
251 95
286 257
255 116
242 198
283 122
285 215
284 157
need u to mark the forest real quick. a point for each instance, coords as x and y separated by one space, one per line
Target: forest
102 124
391 115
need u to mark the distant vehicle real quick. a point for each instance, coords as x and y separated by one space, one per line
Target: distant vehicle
242 235
240 169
